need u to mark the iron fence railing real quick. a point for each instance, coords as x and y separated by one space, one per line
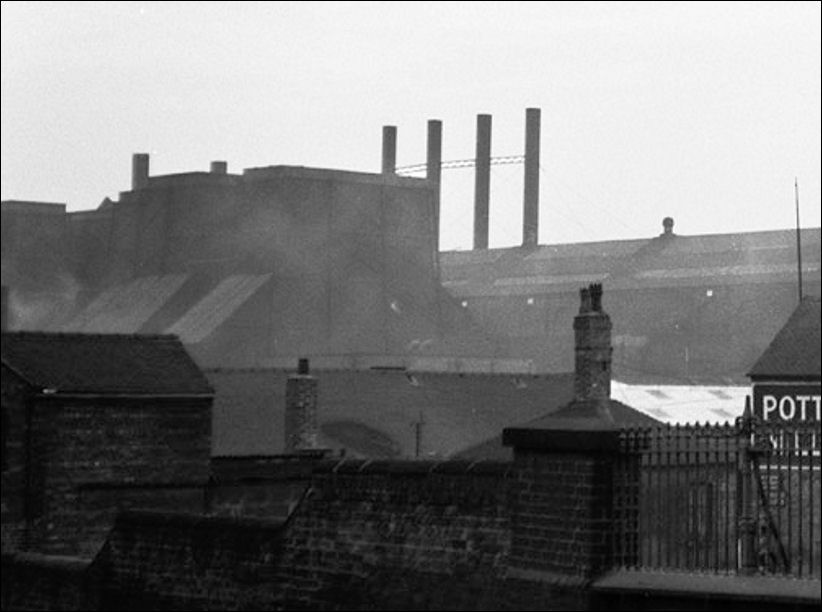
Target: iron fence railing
732 498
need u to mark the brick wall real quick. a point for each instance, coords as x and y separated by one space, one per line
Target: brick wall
157 561
14 460
562 509
376 533
39 582
125 447
369 535
259 486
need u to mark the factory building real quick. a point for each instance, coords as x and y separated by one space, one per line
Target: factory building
257 268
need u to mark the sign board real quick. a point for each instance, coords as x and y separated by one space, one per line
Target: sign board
787 403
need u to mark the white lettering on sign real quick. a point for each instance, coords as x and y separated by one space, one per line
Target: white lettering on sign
768 406
784 411
800 407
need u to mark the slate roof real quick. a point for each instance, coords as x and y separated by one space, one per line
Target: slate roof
796 351
104 363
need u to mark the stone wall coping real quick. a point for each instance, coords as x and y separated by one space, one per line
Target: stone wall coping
772 588
563 581
148 518
604 439
91 485
60 563
400 467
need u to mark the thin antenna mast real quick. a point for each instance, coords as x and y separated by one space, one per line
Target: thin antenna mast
798 238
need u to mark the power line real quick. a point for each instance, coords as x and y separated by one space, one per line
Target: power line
459 163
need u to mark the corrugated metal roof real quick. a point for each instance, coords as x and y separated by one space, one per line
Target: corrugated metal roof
557 279
683 403
610 248
210 312
726 271
124 309
661 261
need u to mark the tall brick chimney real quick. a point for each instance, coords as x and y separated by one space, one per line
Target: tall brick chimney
389 149
139 170
530 199
433 172
301 410
592 333
482 181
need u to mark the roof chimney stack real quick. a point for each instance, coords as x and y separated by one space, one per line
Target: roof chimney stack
139 170
668 226
389 149
482 181
219 167
530 203
301 410
592 333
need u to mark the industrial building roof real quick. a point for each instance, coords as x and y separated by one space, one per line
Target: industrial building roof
667 260
796 351
125 308
103 364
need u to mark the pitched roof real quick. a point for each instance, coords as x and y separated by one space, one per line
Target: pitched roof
795 351
100 364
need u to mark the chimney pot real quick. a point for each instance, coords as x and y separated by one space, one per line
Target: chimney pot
302 366
668 226
596 297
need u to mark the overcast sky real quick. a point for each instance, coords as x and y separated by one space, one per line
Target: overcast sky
704 112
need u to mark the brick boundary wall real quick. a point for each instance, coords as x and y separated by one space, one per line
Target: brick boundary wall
32 581
562 506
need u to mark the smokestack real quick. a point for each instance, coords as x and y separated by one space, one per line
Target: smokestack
592 334
219 167
530 203
4 322
433 171
389 149
139 170
301 410
482 181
